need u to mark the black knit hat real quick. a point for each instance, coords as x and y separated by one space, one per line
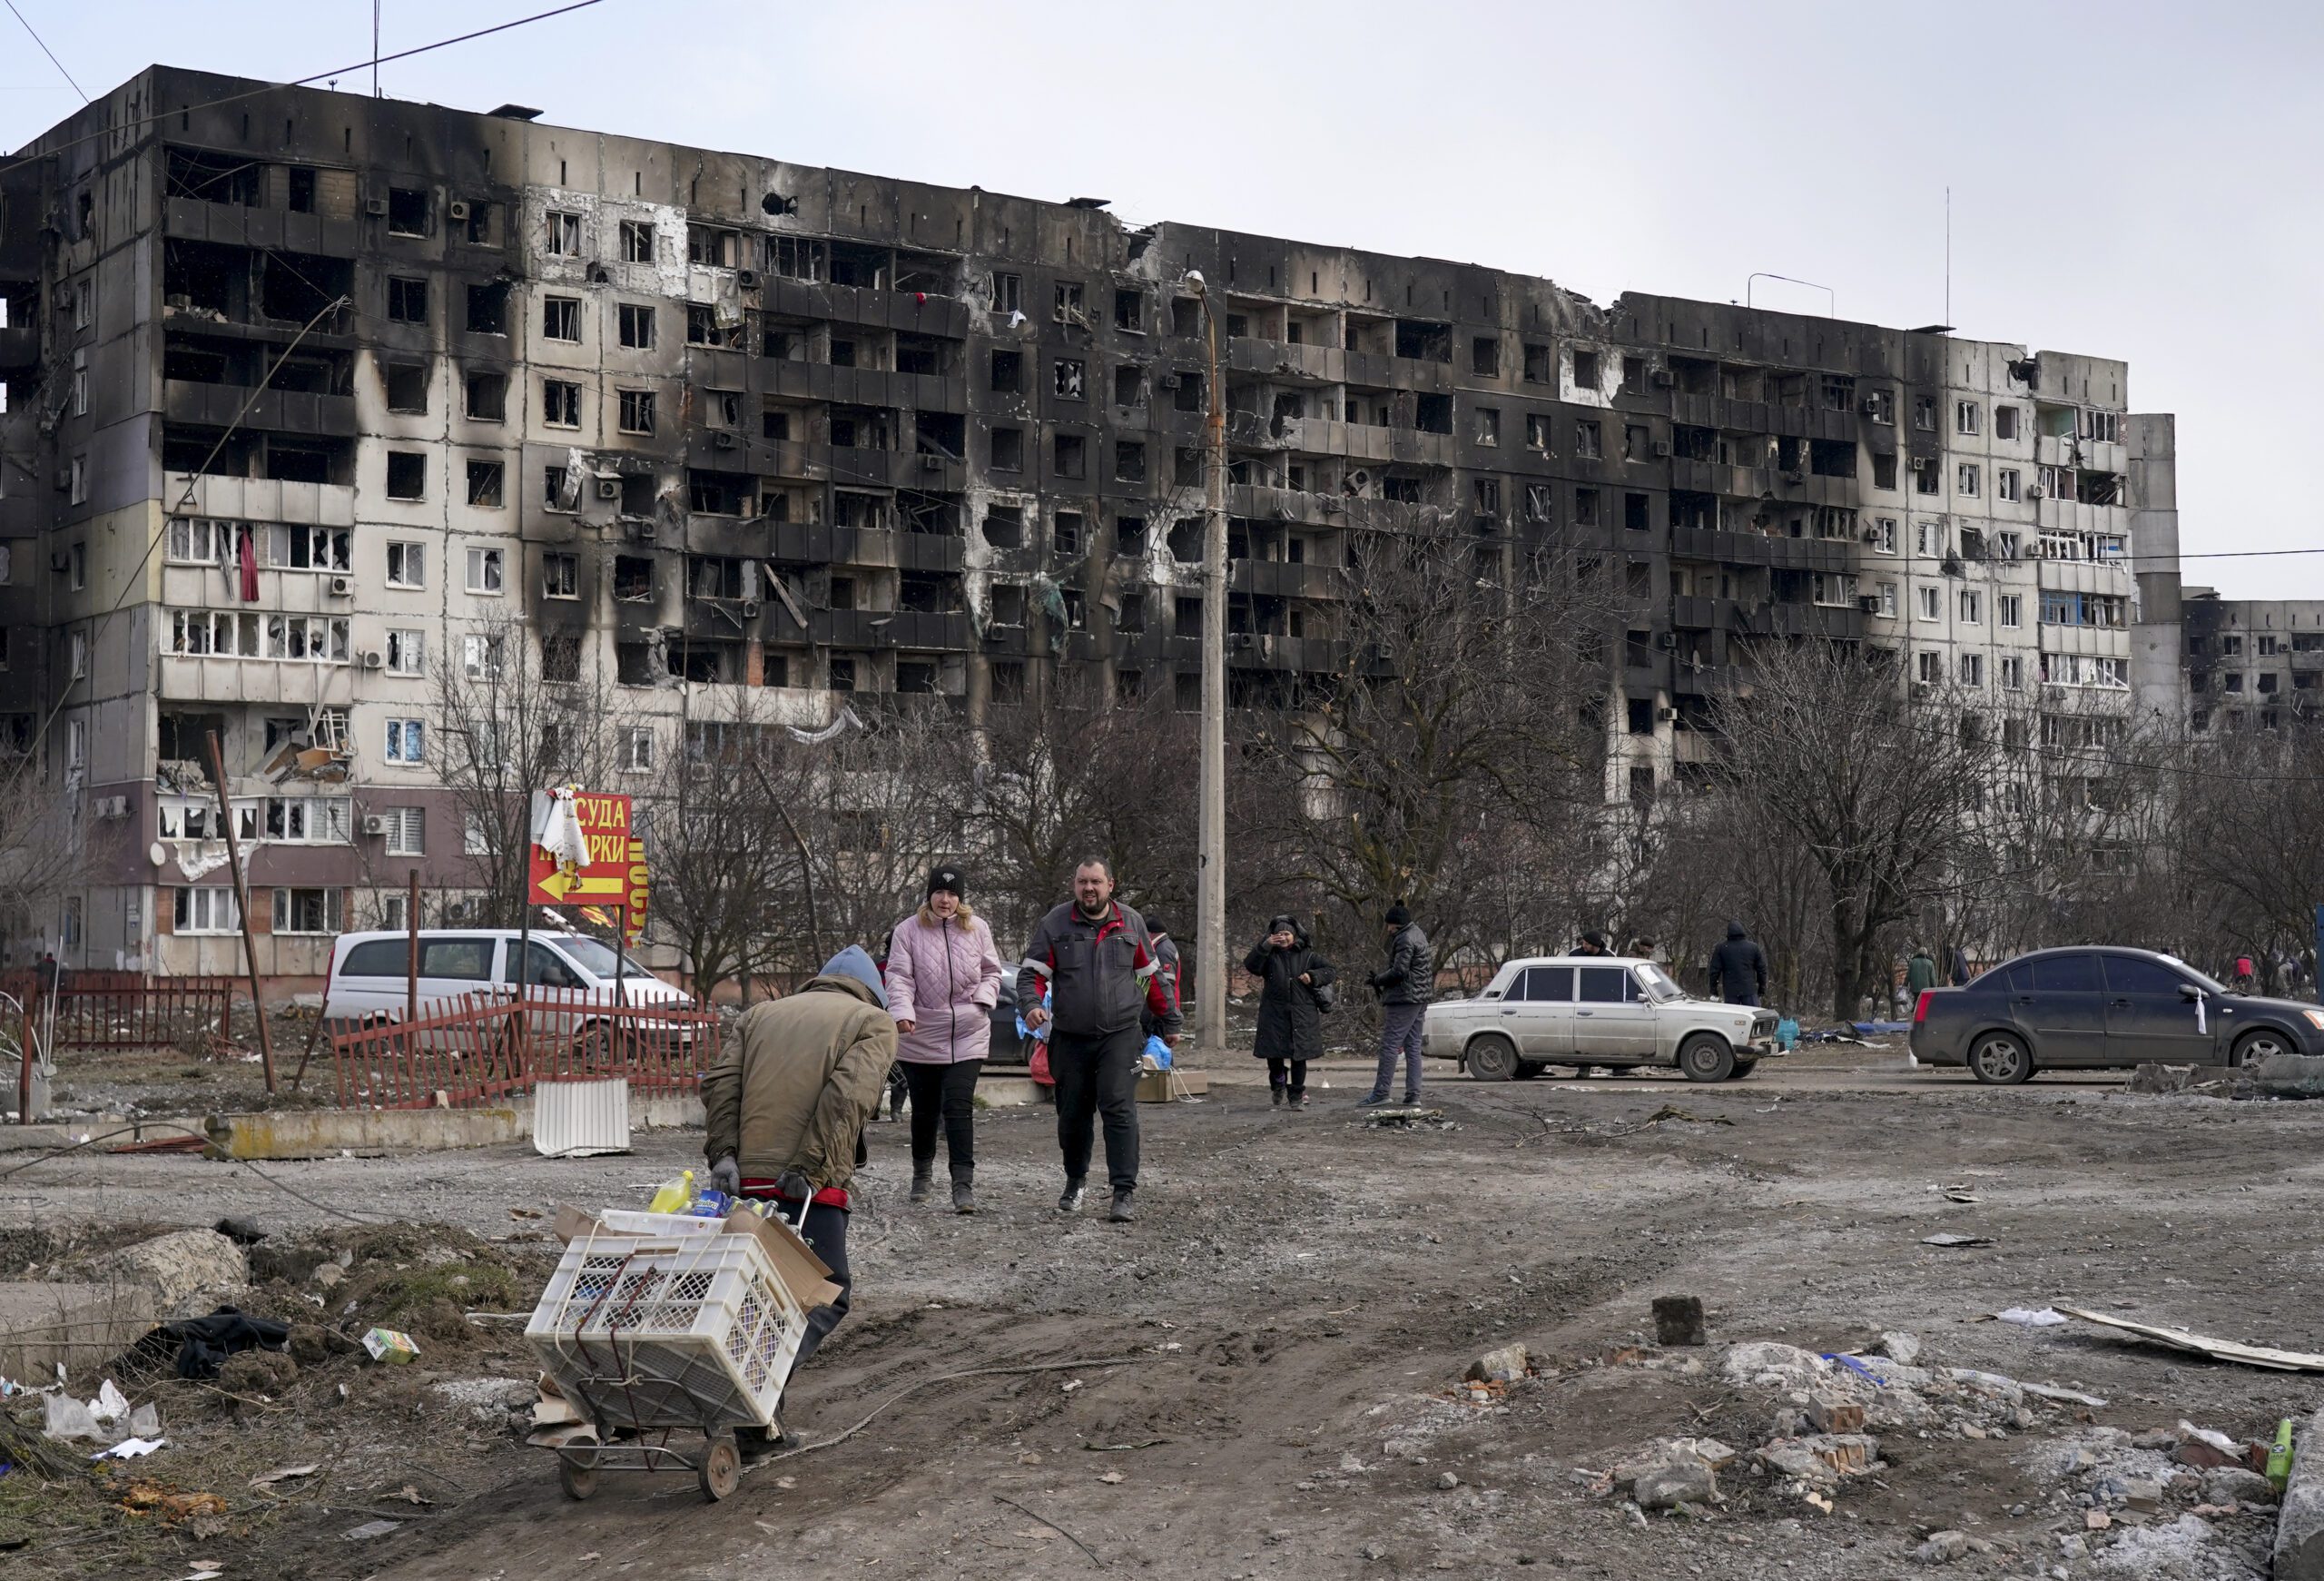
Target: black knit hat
1399 916
947 878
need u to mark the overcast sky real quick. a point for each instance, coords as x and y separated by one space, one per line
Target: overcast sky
2131 180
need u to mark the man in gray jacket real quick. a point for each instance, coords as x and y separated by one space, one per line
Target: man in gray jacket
1103 974
1404 985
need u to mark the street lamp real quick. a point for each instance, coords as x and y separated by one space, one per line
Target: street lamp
1210 892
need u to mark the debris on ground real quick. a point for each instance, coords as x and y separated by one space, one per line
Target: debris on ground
1946 1238
1678 1320
1407 1120
2202 1345
1504 1365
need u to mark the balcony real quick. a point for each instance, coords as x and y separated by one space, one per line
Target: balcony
264 499
888 629
920 314
280 411
1751 548
1281 579
19 350
235 225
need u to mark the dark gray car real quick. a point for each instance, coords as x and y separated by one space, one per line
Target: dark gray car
2098 1006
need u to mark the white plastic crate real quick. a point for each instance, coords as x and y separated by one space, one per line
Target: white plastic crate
661 1331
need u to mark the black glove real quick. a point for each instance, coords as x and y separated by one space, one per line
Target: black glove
1375 979
793 1186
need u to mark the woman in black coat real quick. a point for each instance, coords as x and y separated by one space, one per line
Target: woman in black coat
1291 1030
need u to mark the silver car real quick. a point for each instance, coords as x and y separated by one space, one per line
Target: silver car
1595 1010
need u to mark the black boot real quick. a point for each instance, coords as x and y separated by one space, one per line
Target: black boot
1124 1211
923 1178
964 1197
1274 1095
1069 1200
1299 1100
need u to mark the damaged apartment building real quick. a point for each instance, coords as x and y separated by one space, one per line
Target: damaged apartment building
305 389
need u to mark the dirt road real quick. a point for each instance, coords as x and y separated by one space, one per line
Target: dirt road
1303 1293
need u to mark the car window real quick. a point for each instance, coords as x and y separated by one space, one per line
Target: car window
2132 975
1545 985
1658 986
2066 974
377 958
471 959
543 967
1604 984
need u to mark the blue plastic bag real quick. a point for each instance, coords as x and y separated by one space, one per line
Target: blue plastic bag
1787 1035
1158 1052
1041 1034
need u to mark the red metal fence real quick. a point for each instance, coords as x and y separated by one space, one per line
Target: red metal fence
125 1009
480 1047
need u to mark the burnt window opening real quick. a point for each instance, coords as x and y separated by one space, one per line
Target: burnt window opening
407 211
487 397
719 493
1008 371
1129 462
1066 533
480 222
864 428
929 513
1066 377
941 433
1132 618
929 593
1009 683
1585 369
1634 375
1129 535
633 578
1130 385
1007 605
775 423
714 577
713 246
1185 540
1585 508
1638 442
484 484
1484 356
703 329
1077 614
637 494
1485 494
1884 470
1187 467
297 461
633 664
407 475
1401 489
1540 366
1589 441
865 268
842 679
488 307
1421 341
921 354
406 386
407 300
560 657
1186 315
1070 456
774 669
916 676
864 512
842 595
1004 527
216 178
1129 311
1638 514
1188 394
1432 414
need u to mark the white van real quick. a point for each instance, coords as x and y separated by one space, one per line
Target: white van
370 973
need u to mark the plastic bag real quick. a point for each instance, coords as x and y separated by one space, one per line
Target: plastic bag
1157 1052
1787 1035
1039 1068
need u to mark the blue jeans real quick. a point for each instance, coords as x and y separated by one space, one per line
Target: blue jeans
1400 1027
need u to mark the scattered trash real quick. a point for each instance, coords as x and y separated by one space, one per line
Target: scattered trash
200 1346
284 1474
129 1450
371 1529
389 1346
1113 1477
2032 1317
66 1417
2216 1439
1672 1111
1948 1239
1406 1119
151 1498
2279 1457
2201 1345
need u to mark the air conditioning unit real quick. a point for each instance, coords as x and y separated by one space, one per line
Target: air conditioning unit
375 207
1666 713
1666 640
1168 381
373 659
112 806
457 208
1662 378
642 529
931 463
1872 535
1358 479
1661 449
608 488
749 609
342 587
1868 602
746 278
374 824
726 440
1869 406
2033 492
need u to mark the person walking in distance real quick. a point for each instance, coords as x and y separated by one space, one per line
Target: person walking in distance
1166 955
1404 985
943 979
1738 968
1104 977
1291 1015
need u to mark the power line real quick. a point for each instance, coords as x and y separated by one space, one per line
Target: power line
46 51
139 122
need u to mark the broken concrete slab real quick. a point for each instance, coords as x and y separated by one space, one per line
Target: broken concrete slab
1505 1364
1681 1480
1678 1320
1899 1347
309 1133
2289 1075
45 1324
183 1274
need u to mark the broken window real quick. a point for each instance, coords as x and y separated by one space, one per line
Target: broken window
1065 532
2005 422
561 235
1008 371
407 211
1966 480
638 493
1486 494
1129 311
1538 503
638 411
406 386
480 222
1637 512
868 428
1070 456
1925 413
703 328
1585 369
1884 470
561 319
1587 439
487 397
407 564
560 403
488 307
928 592
1538 369
1066 377
1008 447
214 178
633 578
941 433
1432 414
719 493
713 246
1421 341
1066 307
560 577
484 484
1484 356
1009 683
485 570
634 663
1840 392
1488 430
407 475
2005 484
2103 426
1187 467
1832 458
1129 462
1130 385
637 241
407 300
1007 604
1585 508
1132 617
635 322
1926 480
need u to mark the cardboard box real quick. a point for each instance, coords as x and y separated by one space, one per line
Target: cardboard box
1161 1086
806 1276
389 1346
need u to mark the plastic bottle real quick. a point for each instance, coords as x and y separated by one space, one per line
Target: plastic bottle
2279 1457
711 1204
676 1196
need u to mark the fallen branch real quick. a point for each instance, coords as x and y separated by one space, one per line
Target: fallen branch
1045 1520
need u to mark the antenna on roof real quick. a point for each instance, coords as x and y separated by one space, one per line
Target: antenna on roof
1948 253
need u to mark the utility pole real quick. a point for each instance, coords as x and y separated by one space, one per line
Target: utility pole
1210 901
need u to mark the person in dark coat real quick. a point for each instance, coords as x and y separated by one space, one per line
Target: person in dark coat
1738 968
1291 1024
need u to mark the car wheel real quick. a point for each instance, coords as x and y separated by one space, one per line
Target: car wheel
2260 1045
1707 1057
1526 1070
1999 1060
1744 1068
1493 1057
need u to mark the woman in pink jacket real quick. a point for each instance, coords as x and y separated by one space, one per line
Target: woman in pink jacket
943 979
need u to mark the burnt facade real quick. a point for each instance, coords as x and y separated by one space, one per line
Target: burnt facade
305 390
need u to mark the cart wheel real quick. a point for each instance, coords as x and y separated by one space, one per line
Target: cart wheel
722 1467
576 1472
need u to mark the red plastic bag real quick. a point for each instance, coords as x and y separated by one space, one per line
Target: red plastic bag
1040 1068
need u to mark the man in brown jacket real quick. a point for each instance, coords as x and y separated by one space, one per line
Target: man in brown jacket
787 1105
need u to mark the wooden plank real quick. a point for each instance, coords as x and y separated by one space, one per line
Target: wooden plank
2202 1345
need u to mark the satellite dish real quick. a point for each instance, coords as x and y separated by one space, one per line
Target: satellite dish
159 853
